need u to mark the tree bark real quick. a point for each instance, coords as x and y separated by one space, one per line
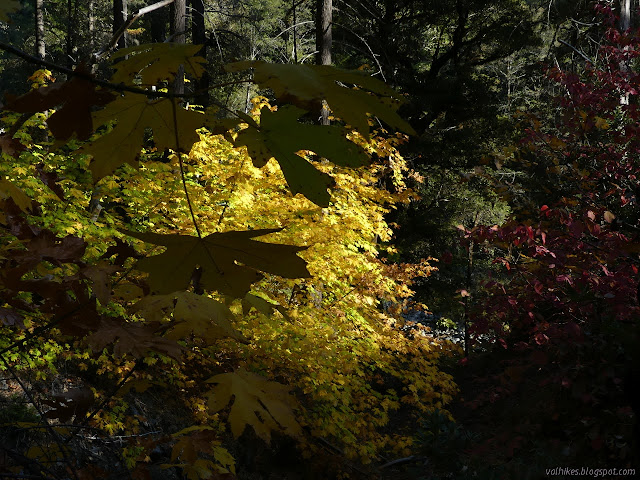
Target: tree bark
178 33
625 14
199 37
70 35
40 45
91 24
324 19
324 39
119 19
625 24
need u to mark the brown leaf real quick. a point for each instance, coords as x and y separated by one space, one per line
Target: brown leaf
10 146
77 97
122 251
135 339
100 276
50 179
65 406
10 318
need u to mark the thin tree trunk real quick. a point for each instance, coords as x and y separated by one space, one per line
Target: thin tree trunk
199 36
71 27
625 24
119 19
92 24
179 26
324 39
294 50
625 14
40 45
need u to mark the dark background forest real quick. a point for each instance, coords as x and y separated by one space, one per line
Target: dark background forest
478 293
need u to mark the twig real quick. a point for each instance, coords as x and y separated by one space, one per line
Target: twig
577 51
412 458
56 436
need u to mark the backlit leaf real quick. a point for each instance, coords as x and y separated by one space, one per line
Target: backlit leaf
307 85
135 339
263 306
258 402
228 261
75 100
280 136
197 314
9 190
134 114
156 61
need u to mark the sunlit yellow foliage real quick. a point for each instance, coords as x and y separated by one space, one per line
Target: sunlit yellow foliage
350 368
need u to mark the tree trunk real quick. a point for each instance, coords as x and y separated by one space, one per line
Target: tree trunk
92 24
625 15
324 20
178 33
199 37
71 27
40 45
119 20
625 24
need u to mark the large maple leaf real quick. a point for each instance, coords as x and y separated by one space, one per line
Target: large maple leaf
75 98
193 314
9 190
258 402
134 113
153 62
307 85
135 339
280 136
229 261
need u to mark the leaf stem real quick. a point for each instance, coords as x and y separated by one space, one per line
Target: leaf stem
184 181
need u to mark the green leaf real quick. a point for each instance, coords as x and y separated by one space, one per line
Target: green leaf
134 113
154 62
280 136
228 261
258 402
307 85
193 314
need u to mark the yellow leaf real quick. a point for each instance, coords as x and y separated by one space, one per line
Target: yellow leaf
602 124
264 405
